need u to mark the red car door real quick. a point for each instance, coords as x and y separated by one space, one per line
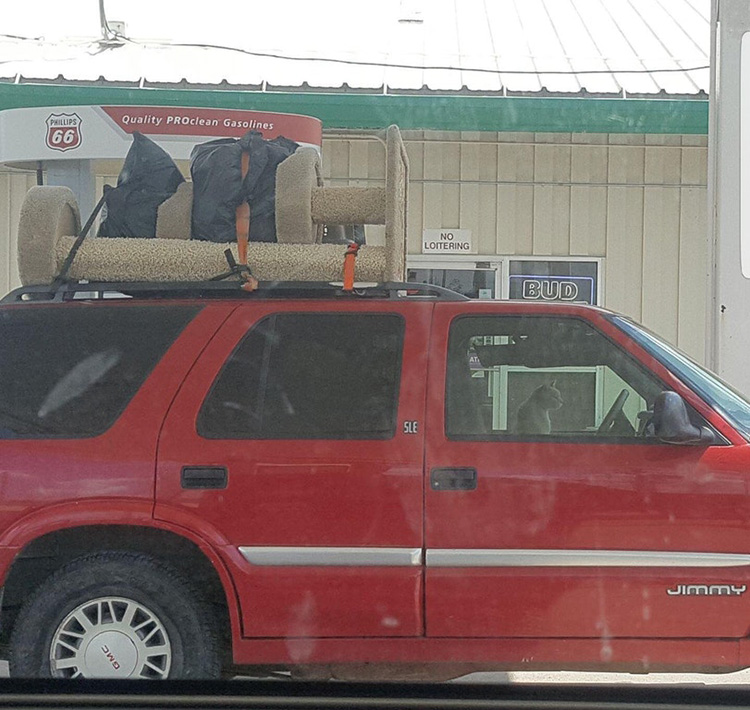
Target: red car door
295 448
586 526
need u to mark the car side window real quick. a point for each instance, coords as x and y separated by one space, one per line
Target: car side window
309 376
70 372
539 376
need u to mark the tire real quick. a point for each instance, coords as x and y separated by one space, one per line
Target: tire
115 615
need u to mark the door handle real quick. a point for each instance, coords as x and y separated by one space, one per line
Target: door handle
204 477
453 479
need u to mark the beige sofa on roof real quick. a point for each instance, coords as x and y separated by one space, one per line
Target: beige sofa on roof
50 221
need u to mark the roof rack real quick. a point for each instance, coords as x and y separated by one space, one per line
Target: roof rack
76 290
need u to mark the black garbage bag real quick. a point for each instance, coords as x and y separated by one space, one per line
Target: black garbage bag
218 187
216 170
148 177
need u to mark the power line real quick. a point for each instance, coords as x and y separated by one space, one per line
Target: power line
388 65
383 65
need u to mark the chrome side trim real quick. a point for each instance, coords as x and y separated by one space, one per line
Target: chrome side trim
333 556
411 557
582 558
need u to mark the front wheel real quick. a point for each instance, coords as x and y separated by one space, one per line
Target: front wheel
115 615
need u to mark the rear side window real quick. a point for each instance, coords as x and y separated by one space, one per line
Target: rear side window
71 371
309 376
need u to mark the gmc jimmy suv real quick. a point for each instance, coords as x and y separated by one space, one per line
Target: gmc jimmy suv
195 479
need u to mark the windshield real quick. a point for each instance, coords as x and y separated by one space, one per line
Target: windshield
721 396
301 368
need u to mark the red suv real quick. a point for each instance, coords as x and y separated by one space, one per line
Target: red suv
194 478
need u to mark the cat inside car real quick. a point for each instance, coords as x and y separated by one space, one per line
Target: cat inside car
533 414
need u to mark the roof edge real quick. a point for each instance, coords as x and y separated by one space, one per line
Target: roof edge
410 112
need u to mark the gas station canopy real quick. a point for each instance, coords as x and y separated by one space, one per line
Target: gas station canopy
73 133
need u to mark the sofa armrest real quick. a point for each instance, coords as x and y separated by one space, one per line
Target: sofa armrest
47 214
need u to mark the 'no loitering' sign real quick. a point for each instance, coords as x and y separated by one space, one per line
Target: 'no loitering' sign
448 241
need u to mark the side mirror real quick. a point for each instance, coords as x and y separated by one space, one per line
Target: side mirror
672 424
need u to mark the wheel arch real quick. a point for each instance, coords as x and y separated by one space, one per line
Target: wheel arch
192 557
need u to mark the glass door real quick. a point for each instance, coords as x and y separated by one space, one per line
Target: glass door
474 278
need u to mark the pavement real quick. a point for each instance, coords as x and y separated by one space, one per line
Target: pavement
739 678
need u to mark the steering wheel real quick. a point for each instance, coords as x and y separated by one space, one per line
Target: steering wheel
644 421
614 411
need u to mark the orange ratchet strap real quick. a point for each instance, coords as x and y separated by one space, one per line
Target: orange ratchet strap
242 220
349 260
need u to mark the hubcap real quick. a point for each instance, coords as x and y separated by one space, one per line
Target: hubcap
110 637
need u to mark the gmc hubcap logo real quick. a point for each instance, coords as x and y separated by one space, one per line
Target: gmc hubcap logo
110 657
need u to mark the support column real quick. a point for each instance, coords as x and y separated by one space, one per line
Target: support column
78 175
728 325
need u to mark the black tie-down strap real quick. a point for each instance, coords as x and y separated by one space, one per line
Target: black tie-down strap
63 275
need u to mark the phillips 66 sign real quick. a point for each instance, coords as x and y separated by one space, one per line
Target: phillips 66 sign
63 131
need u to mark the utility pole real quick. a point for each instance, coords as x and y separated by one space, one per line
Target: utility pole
728 314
